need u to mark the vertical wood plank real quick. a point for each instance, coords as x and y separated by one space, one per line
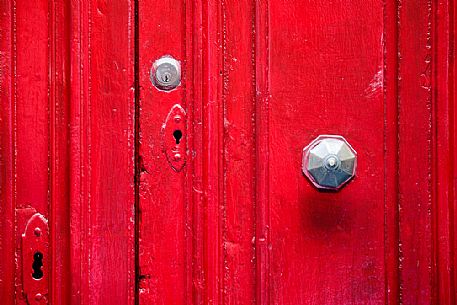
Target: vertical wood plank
102 147
416 202
59 154
452 72
212 146
35 129
443 98
326 77
390 86
30 123
164 219
7 228
263 245
195 187
238 103
391 242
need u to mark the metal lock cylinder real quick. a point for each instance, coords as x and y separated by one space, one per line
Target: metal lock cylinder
166 73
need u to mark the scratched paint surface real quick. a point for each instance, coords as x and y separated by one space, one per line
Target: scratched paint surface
67 148
261 80
327 248
83 143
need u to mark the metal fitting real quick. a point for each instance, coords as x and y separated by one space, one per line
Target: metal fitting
329 162
166 73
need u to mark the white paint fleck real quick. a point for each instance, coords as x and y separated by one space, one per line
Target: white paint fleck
375 86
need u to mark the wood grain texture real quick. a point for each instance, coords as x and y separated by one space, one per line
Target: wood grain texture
7 229
390 90
102 152
267 78
263 245
239 162
67 144
59 151
34 133
163 212
328 248
30 121
443 133
415 186
81 142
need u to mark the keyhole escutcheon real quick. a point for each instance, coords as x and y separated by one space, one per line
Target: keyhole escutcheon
37 265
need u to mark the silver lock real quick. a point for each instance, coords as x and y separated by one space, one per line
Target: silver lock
166 73
329 162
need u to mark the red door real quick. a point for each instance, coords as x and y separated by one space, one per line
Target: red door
227 152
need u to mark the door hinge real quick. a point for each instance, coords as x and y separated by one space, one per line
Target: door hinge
35 260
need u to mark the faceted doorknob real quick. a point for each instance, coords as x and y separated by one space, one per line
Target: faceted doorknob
329 162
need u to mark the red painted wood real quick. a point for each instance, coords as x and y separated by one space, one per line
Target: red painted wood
30 114
263 245
59 150
67 147
29 125
390 83
416 198
102 144
267 78
327 248
83 142
7 227
164 214
35 260
239 213
443 85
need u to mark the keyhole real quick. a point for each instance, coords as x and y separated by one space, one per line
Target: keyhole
177 134
166 77
37 265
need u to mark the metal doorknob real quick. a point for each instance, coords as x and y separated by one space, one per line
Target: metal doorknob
329 162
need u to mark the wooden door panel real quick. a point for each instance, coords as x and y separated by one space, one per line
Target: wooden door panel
85 142
326 77
163 209
67 148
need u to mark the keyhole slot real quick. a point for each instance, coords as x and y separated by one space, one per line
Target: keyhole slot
37 265
166 77
177 134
